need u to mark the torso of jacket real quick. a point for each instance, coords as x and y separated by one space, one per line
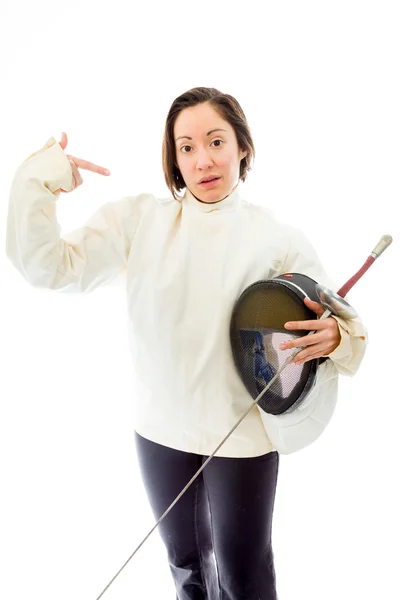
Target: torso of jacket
186 263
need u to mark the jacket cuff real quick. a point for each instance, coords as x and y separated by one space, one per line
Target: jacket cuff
51 165
351 349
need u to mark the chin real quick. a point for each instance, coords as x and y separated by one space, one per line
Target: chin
212 196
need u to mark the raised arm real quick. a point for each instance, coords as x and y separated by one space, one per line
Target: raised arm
83 259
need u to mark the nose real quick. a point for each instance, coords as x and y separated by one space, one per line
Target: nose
203 158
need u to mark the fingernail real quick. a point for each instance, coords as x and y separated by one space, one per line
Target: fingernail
288 325
106 171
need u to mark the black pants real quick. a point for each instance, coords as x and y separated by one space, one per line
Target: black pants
218 534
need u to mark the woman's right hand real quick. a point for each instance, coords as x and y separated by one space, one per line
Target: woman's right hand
79 163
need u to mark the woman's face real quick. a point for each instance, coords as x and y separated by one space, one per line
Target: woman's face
202 152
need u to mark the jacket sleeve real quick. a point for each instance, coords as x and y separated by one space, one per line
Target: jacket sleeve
302 258
82 260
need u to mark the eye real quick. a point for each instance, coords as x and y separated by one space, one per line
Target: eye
187 146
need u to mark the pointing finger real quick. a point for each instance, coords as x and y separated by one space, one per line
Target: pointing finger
89 166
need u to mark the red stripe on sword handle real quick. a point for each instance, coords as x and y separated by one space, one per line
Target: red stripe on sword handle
383 243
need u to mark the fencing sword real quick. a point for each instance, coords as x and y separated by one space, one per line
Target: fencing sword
333 303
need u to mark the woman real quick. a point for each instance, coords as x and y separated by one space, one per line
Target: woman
186 258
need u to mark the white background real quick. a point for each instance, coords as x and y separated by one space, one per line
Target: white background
319 84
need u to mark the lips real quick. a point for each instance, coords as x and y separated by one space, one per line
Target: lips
206 180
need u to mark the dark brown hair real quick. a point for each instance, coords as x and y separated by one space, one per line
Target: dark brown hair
228 108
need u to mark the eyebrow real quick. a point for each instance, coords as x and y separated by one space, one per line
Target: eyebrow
209 133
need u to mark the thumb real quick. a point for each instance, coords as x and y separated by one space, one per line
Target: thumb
64 140
315 306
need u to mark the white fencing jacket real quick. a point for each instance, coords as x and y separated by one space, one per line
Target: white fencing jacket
186 263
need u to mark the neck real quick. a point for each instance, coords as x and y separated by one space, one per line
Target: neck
215 201
229 203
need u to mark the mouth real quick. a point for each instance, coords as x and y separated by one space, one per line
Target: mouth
209 182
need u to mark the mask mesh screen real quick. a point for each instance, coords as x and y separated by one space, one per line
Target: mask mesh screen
256 331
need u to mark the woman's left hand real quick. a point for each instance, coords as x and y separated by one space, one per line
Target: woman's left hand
321 343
